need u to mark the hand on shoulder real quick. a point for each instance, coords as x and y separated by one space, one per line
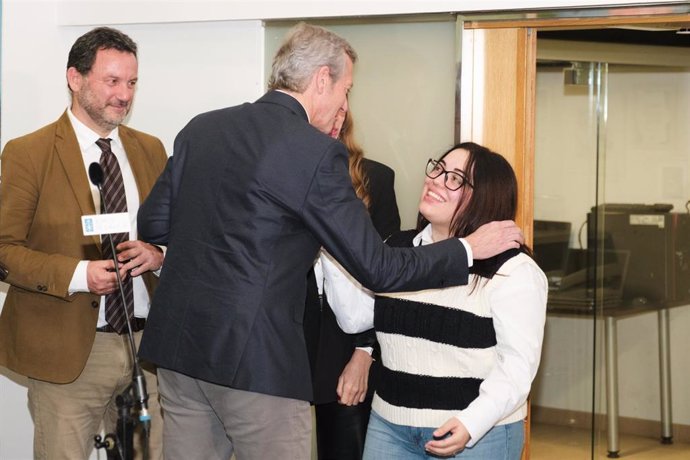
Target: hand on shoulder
494 238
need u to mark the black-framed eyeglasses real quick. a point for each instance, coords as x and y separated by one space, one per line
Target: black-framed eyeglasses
453 180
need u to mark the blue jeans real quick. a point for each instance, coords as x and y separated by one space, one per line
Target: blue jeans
387 440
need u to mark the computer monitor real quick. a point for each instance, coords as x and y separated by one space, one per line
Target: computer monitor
658 242
550 247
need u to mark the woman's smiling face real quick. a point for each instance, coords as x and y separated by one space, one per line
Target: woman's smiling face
438 204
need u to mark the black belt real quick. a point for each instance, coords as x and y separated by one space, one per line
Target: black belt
137 325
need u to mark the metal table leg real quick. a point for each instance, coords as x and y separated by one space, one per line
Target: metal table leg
611 338
665 377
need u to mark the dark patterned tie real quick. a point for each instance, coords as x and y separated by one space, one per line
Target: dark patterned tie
115 201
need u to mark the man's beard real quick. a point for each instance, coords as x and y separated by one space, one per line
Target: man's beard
99 114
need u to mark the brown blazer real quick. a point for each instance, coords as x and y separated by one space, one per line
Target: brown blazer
45 333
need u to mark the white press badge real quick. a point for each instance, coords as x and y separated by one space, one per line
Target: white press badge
102 224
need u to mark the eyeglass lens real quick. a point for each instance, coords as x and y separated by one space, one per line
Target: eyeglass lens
453 181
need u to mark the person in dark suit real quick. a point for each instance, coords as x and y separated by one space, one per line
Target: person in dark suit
53 327
341 363
249 196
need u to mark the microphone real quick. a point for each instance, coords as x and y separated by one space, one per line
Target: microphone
139 381
96 174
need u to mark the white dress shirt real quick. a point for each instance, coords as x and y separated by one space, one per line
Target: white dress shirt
352 303
92 153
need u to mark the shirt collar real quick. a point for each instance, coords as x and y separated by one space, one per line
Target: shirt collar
86 136
424 237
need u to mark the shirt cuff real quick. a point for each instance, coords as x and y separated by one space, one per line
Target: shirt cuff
468 249
369 350
164 250
79 282
478 418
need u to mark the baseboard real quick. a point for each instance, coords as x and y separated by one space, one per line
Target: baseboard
626 425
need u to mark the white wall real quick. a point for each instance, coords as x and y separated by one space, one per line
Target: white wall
147 11
184 69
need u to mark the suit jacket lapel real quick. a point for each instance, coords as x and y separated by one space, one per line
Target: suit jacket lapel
69 152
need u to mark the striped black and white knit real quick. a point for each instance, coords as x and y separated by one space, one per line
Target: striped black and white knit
457 352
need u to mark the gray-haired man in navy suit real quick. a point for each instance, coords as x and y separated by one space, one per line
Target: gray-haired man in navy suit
248 197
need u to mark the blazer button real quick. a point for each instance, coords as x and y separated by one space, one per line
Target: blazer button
95 304
41 288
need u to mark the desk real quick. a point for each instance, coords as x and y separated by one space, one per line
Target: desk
611 316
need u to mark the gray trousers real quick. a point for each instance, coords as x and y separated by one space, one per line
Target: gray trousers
206 421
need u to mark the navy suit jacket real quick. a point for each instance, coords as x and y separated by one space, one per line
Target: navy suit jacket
244 203
329 347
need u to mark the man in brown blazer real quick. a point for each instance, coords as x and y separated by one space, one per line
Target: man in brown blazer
53 327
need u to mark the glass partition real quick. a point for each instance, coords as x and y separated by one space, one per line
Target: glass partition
612 230
570 116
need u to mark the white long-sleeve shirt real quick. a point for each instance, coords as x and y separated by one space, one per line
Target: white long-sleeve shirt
515 302
352 303
91 153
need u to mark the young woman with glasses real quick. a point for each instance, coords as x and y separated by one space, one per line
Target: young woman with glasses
458 362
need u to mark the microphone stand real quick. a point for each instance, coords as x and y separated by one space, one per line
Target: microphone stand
120 446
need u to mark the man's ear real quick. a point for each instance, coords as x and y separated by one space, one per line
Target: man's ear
74 79
323 78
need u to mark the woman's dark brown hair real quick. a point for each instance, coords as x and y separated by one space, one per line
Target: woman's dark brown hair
493 197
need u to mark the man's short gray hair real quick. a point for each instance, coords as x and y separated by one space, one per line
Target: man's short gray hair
305 49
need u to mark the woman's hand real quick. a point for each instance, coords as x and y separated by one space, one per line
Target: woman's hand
449 439
354 380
